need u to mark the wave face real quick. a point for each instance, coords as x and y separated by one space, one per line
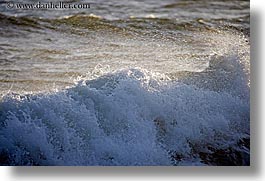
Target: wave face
130 117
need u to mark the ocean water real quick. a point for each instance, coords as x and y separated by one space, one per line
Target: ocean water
126 83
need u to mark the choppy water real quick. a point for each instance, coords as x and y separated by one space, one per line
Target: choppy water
126 83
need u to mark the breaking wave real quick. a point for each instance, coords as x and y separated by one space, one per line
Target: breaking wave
129 117
174 88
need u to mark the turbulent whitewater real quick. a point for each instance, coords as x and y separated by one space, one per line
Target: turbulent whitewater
166 83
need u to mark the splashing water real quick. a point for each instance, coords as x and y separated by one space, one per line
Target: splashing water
163 84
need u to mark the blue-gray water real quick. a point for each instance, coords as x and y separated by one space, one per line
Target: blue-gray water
125 83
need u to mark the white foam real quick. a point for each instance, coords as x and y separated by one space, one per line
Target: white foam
129 117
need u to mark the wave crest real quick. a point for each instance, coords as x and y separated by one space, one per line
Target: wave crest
128 117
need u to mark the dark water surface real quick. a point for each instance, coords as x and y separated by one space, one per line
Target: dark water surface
44 49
